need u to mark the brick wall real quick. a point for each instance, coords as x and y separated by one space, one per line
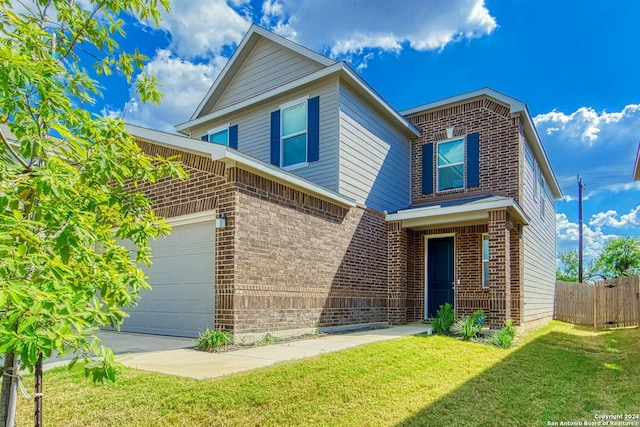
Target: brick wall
286 260
304 263
500 170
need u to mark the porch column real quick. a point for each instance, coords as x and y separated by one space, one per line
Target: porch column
499 268
397 273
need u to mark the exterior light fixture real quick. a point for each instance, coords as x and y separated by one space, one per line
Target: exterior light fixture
221 221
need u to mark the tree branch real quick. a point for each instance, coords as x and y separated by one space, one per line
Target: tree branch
13 152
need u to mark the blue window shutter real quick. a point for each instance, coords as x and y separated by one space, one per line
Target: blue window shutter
233 136
427 169
473 159
275 138
313 129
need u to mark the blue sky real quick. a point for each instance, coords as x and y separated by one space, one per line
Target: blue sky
574 63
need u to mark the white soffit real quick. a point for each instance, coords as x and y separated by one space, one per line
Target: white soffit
476 211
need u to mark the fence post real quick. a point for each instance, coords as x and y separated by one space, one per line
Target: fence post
595 306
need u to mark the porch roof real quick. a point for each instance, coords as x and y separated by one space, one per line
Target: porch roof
471 210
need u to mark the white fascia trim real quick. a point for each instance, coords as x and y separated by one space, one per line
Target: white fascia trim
339 68
636 169
193 218
514 104
437 210
230 155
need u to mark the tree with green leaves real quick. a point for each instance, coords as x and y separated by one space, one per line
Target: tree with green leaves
568 269
69 184
621 257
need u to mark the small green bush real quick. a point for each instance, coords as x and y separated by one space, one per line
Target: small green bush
479 317
466 327
212 340
445 318
505 336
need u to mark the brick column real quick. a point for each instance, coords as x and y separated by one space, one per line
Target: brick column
499 268
397 255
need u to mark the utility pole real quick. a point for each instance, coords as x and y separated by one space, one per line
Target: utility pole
580 187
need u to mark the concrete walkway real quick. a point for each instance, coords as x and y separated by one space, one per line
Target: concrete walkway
186 362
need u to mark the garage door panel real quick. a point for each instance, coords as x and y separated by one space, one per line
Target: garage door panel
181 301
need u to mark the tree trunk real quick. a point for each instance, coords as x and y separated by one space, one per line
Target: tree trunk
38 395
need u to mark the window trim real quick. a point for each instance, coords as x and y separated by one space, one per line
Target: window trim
293 103
463 139
215 130
485 262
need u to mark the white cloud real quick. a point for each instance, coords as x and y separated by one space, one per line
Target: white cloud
611 218
598 146
594 239
585 124
184 84
350 28
202 28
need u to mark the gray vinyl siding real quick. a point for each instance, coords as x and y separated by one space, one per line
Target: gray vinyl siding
268 66
375 158
539 243
254 126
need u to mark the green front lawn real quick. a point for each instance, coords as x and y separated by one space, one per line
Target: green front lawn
558 373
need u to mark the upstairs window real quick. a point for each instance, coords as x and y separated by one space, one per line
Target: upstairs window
451 165
294 135
456 164
224 135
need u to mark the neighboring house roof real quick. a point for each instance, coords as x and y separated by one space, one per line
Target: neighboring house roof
234 157
330 68
468 210
636 169
518 108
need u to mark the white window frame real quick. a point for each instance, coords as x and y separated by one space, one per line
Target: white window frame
283 107
218 130
463 163
485 262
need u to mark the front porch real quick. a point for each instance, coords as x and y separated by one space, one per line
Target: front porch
425 273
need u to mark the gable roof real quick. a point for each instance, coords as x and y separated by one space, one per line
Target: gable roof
517 108
249 41
330 68
636 168
232 157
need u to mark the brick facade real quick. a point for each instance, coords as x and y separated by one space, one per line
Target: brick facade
501 175
286 261
500 171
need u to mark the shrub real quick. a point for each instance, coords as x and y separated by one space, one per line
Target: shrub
467 328
212 340
479 317
504 337
445 318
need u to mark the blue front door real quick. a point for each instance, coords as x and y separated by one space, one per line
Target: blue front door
439 274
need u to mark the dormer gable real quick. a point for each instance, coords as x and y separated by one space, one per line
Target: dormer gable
262 62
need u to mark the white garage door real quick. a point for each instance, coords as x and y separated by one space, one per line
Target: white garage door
181 302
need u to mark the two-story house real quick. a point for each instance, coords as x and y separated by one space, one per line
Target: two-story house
314 204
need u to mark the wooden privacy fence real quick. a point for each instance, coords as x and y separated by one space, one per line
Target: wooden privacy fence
605 304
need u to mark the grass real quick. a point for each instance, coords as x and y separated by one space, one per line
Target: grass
557 373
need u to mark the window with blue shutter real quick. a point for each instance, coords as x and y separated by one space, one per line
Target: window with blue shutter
427 169
233 136
295 133
473 159
275 138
